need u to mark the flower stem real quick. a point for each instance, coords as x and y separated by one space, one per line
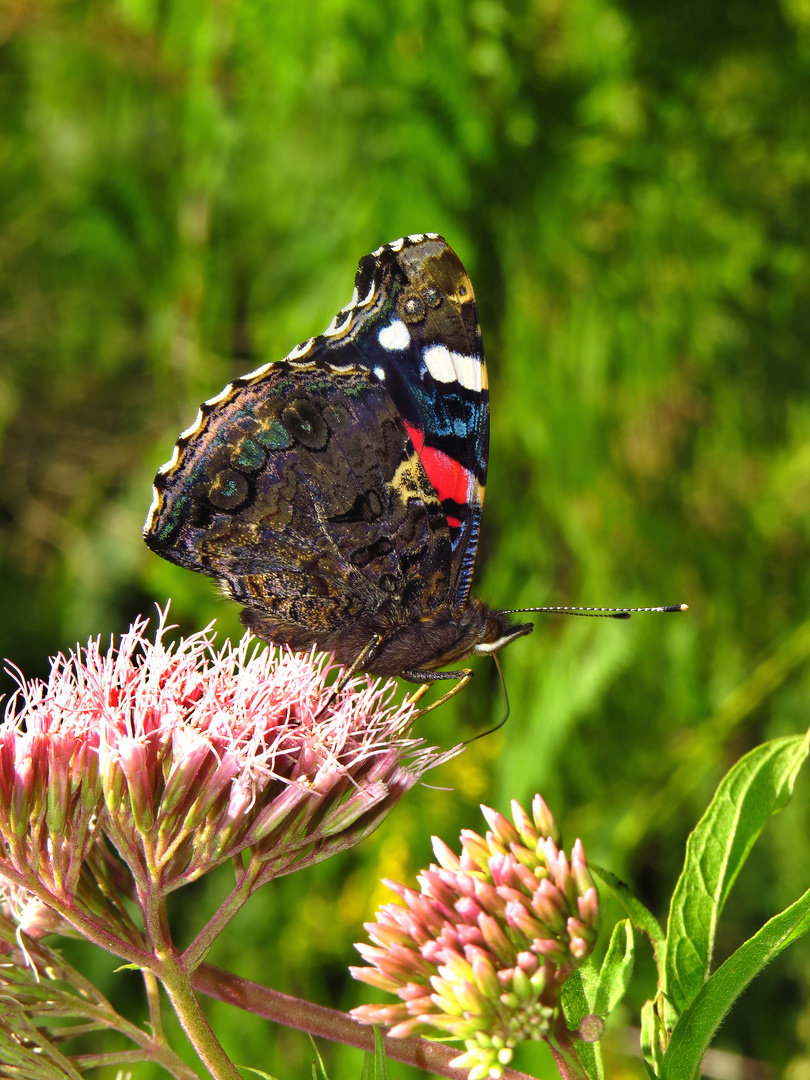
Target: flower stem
85 1001
321 1022
175 1068
230 908
177 984
152 989
95 931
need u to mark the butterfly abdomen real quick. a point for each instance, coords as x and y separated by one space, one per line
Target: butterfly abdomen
412 641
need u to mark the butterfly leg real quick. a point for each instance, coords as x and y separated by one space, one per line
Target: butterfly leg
358 663
463 675
417 695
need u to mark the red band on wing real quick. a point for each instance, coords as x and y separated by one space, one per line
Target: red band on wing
450 479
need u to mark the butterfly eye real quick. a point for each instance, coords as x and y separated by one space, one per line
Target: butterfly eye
432 296
412 309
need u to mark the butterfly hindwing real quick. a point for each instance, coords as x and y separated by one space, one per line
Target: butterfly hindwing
298 489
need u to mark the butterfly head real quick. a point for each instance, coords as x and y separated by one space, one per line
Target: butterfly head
498 631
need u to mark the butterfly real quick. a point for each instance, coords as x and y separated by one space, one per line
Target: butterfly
337 493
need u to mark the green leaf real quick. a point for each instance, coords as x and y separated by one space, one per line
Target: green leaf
577 998
651 1051
616 970
758 786
258 1072
699 1021
318 1067
641 917
579 993
375 1065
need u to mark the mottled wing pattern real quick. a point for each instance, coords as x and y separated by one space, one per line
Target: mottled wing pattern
298 488
351 473
413 321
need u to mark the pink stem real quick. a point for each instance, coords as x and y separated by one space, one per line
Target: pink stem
319 1021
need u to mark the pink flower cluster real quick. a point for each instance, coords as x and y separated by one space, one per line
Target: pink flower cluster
182 756
481 951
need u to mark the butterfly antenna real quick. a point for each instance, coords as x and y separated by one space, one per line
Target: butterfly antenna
599 612
489 731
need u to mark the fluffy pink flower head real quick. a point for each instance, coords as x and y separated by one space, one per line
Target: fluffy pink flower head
481 951
184 756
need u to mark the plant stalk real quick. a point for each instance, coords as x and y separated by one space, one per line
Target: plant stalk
178 987
321 1022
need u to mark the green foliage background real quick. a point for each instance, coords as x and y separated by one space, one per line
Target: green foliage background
185 189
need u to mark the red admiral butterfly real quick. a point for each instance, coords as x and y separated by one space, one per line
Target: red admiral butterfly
337 493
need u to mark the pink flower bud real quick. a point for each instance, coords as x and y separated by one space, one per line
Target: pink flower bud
477 850
491 971
444 856
503 830
544 822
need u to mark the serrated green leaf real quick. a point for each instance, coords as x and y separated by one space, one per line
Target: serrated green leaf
616 970
641 917
755 788
699 1021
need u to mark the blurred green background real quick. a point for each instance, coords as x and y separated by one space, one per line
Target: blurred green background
185 190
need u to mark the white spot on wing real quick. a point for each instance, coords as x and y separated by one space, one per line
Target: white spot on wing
446 366
416 238
439 363
378 371
395 336
396 245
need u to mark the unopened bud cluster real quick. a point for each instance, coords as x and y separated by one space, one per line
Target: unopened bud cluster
481 951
